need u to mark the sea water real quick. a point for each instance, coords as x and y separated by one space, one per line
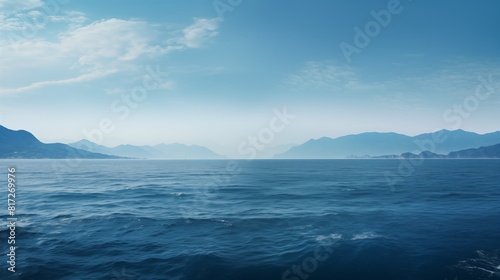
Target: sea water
261 219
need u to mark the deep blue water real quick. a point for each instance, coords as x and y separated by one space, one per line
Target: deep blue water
323 219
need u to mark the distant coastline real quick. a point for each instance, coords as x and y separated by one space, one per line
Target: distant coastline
457 144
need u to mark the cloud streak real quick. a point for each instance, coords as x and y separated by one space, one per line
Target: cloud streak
82 78
12 6
328 76
199 33
101 48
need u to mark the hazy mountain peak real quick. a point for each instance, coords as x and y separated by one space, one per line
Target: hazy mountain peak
159 151
390 143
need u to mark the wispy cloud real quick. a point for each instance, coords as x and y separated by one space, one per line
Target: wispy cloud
19 21
457 75
31 16
197 34
101 48
441 86
82 78
74 18
10 6
422 88
109 40
328 76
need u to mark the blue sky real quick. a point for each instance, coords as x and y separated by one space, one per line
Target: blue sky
224 67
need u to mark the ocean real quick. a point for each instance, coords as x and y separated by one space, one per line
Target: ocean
260 219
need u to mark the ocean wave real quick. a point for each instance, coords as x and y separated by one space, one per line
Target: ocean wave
206 220
220 221
485 265
333 236
367 235
23 231
179 194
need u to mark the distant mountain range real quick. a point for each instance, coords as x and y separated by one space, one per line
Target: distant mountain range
375 144
22 144
161 151
441 144
481 152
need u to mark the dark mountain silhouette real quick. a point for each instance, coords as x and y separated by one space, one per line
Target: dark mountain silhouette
22 144
482 152
477 153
